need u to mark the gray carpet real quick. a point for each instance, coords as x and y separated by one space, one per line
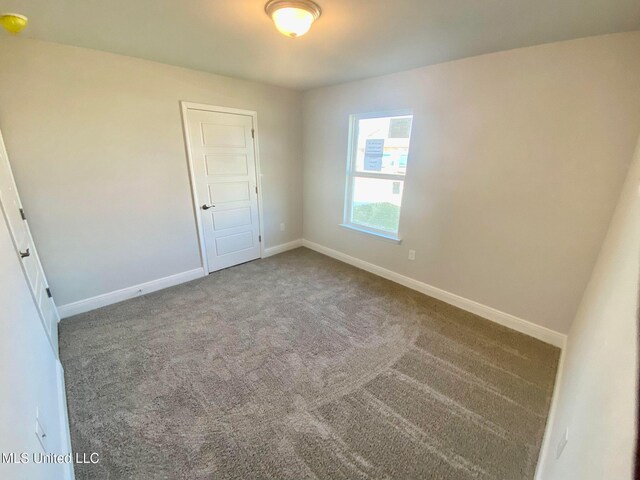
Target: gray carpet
299 366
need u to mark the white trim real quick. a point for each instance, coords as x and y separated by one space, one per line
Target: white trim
184 106
384 176
506 319
375 233
546 449
63 417
256 149
10 227
116 296
352 173
283 247
192 182
397 112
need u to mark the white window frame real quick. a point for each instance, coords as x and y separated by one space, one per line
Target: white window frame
351 174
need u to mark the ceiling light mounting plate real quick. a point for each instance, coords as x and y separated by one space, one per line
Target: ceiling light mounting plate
308 5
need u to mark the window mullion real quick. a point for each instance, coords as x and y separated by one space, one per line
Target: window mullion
384 176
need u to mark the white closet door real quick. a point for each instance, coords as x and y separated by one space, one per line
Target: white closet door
25 248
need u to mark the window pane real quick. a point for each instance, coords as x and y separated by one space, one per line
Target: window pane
383 144
376 203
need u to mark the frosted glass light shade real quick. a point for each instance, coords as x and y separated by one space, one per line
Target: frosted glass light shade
293 18
13 23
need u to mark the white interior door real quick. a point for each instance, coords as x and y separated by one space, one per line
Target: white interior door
223 158
25 248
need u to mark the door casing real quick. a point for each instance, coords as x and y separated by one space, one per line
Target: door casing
40 292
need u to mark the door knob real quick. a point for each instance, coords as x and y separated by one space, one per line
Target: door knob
26 253
207 207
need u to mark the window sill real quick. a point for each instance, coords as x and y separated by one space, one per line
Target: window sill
387 238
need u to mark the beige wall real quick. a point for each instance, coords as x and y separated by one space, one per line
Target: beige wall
596 398
517 159
516 162
96 145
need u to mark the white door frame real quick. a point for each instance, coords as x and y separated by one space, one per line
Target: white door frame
4 216
184 106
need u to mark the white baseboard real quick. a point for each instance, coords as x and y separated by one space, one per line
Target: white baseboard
268 252
518 324
116 296
546 450
63 418
105 299
542 333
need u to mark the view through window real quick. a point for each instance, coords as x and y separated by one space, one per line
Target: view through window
376 172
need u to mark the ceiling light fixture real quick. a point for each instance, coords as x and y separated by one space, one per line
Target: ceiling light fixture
13 23
292 18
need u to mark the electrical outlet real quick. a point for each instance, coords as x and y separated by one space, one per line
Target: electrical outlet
282 227
412 254
562 443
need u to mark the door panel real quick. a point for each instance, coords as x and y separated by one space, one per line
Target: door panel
234 243
23 242
228 192
236 217
221 135
227 164
222 154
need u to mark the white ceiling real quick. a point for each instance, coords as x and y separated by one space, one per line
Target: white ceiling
352 39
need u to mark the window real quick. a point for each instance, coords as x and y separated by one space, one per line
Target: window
376 171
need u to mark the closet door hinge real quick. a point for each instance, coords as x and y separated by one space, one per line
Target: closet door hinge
48 290
24 217
253 133
260 238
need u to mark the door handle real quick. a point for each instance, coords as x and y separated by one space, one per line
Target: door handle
26 253
207 207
